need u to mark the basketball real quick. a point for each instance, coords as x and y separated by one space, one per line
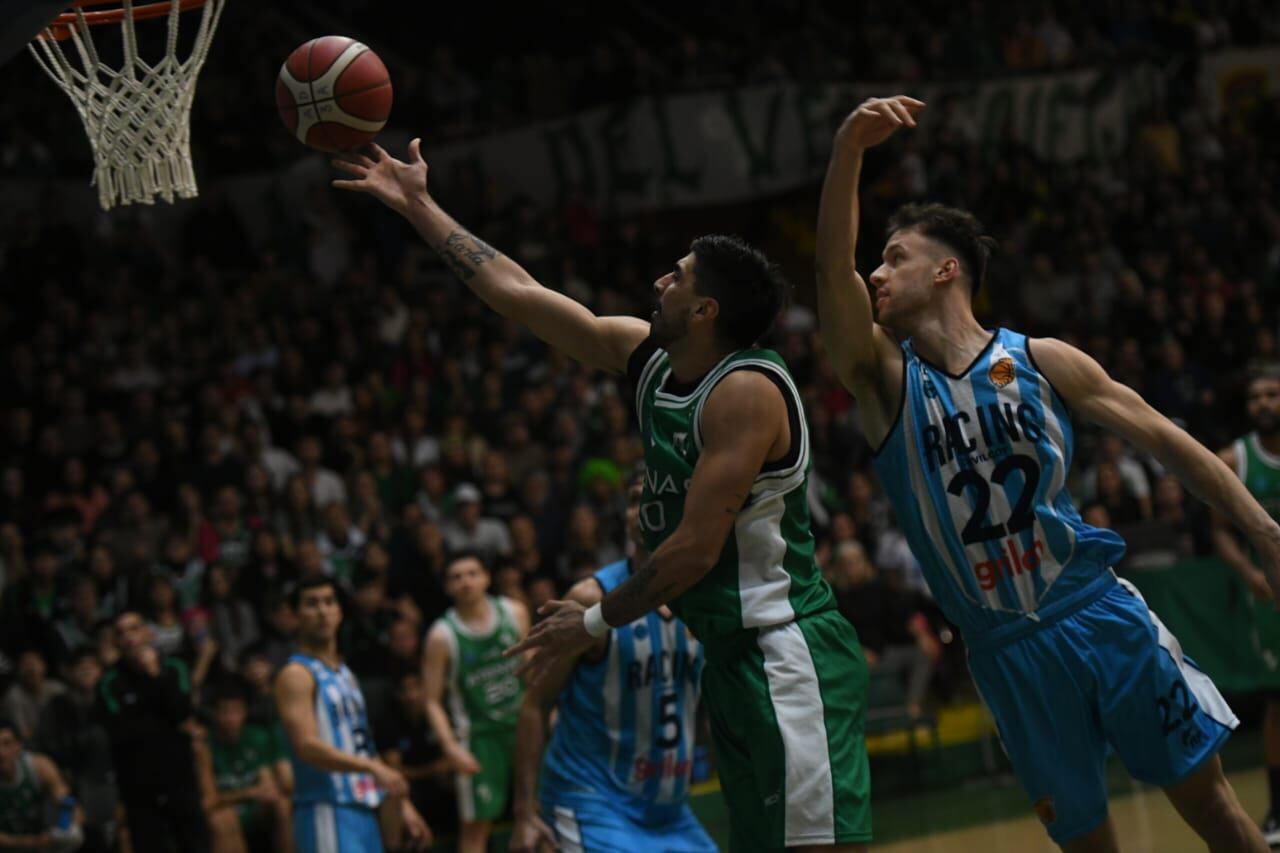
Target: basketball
334 94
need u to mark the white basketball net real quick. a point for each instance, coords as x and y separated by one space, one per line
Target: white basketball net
139 117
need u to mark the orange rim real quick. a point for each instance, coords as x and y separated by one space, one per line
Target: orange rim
60 29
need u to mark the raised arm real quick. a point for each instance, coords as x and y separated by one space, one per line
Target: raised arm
603 342
859 348
1087 389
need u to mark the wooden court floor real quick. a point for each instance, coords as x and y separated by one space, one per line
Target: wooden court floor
1145 823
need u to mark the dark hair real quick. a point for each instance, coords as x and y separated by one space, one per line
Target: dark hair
231 691
959 230
316 582
11 726
79 654
1263 371
466 554
740 278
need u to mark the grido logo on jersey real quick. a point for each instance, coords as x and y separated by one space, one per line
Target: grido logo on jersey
668 768
1012 562
1000 424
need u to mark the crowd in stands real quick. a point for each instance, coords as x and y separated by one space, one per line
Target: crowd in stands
461 74
188 429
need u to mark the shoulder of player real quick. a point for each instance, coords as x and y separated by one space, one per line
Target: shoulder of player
1067 368
438 637
741 397
1228 454
45 768
586 592
295 676
517 608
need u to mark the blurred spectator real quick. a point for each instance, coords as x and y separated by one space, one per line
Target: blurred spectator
1133 482
33 789
144 702
406 742
893 630
70 733
250 801
29 605
232 622
25 701
470 531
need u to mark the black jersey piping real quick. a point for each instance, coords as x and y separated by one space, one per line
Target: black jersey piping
897 418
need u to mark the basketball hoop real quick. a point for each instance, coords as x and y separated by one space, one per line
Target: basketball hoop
138 118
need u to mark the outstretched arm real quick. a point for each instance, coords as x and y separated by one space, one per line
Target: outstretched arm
1088 389
860 350
604 342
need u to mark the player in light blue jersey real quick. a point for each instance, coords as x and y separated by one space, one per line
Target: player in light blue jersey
339 784
973 445
615 775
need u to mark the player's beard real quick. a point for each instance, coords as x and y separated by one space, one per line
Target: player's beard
666 329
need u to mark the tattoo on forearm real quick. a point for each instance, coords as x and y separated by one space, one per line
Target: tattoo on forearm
464 252
641 593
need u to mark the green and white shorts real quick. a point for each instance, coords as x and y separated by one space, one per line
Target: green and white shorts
787 704
484 796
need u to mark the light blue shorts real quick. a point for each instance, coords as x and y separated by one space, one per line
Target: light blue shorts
590 825
1108 676
330 828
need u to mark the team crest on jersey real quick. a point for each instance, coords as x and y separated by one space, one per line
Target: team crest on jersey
680 441
1001 372
640 631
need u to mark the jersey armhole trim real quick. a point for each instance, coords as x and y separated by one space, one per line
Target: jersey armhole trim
897 417
592 657
1047 381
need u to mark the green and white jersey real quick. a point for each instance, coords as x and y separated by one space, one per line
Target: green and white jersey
766 574
22 800
484 692
1259 471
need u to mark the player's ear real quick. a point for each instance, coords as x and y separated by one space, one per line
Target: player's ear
946 271
708 308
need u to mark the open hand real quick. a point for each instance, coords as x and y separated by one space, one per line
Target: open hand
389 779
876 119
393 182
561 633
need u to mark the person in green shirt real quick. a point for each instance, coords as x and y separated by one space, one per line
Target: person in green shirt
464 667
1255 458
250 778
28 783
724 515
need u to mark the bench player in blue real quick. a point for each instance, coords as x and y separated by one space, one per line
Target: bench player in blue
339 784
616 773
973 445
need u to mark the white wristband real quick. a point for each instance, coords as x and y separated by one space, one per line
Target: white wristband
593 621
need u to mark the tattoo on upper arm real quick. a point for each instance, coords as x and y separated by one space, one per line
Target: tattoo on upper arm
464 252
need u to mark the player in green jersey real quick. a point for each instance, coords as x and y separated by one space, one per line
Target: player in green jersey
1256 460
29 782
463 665
727 458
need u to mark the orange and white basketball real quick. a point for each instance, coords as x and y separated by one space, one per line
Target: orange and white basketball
334 94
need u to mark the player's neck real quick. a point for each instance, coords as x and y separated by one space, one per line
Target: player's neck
1270 442
476 612
326 651
950 340
691 360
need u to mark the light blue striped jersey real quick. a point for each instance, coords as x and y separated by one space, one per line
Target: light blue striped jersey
625 727
976 468
342 722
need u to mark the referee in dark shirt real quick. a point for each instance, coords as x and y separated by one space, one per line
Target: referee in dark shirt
144 701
